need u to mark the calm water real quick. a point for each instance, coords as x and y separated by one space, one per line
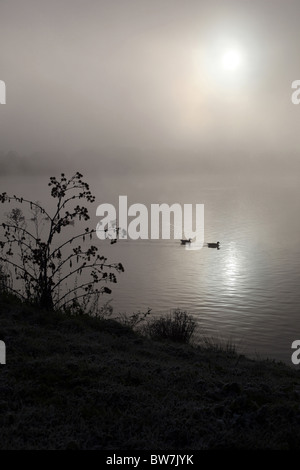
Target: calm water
248 291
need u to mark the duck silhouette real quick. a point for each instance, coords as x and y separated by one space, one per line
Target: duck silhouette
184 242
214 245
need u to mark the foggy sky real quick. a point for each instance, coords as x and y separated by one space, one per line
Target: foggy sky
134 79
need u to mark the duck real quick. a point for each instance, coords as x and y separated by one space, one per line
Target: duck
184 242
213 245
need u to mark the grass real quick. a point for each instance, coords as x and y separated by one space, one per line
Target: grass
177 326
85 383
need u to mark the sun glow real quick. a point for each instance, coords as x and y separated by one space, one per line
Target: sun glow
231 60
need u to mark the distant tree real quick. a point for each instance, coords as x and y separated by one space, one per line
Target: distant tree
40 251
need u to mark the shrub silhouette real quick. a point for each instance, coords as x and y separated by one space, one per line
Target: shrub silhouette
48 265
4 280
177 326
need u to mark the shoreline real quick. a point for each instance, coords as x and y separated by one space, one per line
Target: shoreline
76 382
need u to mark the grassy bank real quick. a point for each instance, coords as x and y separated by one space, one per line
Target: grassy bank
82 383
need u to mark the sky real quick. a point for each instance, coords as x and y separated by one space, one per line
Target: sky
129 82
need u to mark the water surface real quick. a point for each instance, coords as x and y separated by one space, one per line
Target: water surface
247 292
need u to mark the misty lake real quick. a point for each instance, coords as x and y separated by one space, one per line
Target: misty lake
247 292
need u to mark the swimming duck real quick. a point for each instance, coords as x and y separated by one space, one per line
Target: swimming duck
213 245
184 242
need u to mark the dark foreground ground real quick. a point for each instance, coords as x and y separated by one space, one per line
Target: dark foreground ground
82 383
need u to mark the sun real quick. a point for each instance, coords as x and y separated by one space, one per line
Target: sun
231 60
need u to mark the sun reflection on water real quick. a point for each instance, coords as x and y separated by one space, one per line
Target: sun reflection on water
232 266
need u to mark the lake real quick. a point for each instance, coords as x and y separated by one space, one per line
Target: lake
246 292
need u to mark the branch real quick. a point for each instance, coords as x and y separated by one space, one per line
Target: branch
16 292
31 203
71 197
15 240
71 240
84 266
82 295
72 255
75 289
4 225
18 267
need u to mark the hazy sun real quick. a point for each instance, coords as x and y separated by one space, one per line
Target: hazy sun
231 60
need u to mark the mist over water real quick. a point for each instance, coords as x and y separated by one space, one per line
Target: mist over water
246 292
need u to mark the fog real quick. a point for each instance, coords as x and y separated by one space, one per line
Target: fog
134 85
140 97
